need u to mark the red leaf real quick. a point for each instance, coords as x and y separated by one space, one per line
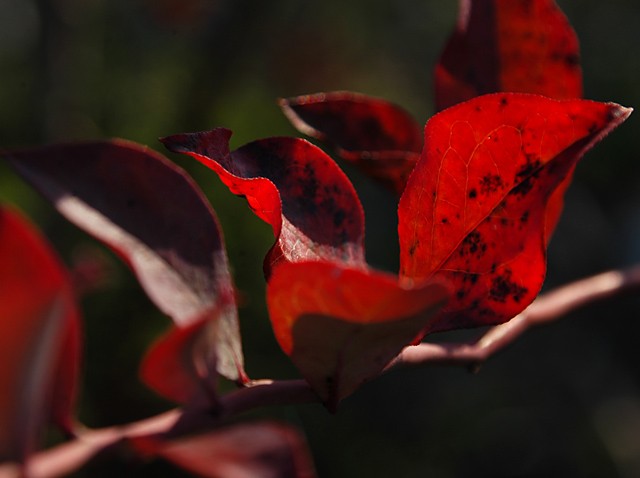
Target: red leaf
473 211
154 216
379 137
180 365
513 46
39 339
291 185
255 450
341 326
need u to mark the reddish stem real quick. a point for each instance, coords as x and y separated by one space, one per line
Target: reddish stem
68 457
548 307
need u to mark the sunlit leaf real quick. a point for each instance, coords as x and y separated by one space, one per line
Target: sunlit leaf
524 46
474 209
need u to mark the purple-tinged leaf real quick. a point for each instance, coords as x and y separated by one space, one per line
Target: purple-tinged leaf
379 137
151 214
253 450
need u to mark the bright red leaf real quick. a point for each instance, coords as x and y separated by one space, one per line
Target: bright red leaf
339 322
39 338
379 137
341 326
255 450
501 45
474 209
293 186
151 214
525 46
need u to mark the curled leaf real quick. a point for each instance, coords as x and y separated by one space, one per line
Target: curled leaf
525 46
379 137
475 208
341 326
151 214
39 339
291 185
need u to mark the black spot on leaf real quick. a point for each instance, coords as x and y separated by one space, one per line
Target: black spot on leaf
473 245
503 288
490 183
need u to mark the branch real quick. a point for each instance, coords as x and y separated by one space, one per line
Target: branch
68 457
547 308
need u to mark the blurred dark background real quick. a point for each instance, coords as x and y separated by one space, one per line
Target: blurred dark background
564 400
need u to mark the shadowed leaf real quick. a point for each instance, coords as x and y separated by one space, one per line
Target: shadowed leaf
474 209
255 450
152 215
379 137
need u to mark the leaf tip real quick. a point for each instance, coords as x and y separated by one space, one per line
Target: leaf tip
619 112
291 109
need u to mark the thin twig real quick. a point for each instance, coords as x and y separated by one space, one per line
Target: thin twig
70 456
547 308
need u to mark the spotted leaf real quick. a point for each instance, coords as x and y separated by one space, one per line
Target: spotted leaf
291 185
379 137
474 209
525 46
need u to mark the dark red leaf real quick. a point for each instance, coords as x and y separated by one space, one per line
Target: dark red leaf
341 326
255 450
291 185
474 209
525 46
154 216
379 137
39 338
